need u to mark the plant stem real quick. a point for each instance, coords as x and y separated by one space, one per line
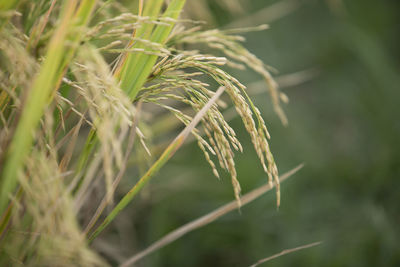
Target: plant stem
166 155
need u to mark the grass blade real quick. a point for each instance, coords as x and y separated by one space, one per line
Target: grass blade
138 66
57 57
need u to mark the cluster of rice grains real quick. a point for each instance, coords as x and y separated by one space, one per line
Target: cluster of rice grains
177 76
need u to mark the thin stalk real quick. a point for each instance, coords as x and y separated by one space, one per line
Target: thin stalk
206 219
152 9
37 32
166 155
122 56
285 252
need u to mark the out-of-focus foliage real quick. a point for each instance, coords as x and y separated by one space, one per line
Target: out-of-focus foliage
343 124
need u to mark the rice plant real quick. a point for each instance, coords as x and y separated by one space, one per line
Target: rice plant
80 81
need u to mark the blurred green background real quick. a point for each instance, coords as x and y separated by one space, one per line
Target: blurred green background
343 124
